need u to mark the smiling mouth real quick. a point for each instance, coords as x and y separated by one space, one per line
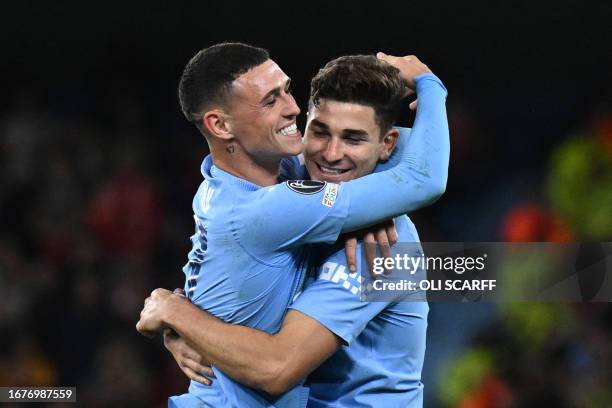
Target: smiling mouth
290 130
331 171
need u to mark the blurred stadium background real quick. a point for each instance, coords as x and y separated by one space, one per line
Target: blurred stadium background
98 169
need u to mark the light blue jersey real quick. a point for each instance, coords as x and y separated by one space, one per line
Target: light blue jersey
250 250
381 360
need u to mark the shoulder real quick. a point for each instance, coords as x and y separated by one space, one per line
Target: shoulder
406 230
292 168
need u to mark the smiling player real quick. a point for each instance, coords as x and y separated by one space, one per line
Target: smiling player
251 264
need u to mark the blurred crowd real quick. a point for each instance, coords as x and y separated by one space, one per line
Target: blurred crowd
95 212
527 354
92 219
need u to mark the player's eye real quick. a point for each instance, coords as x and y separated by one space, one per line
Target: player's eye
320 133
353 140
270 102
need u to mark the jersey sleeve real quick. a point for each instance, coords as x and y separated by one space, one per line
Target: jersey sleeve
295 213
396 155
291 214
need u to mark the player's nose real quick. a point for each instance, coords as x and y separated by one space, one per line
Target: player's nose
333 150
291 108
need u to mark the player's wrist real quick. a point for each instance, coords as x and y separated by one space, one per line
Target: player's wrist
428 80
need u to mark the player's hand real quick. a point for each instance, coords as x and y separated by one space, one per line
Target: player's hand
151 320
192 364
383 234
179 291
409 66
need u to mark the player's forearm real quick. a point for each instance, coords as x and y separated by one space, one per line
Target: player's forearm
247 355
420 177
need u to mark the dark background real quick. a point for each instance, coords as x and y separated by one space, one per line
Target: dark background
98 168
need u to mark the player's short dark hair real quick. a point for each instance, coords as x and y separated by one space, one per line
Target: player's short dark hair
208 76
361 79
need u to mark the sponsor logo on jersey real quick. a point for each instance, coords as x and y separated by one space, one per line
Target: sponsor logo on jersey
331 193
306 186
336 273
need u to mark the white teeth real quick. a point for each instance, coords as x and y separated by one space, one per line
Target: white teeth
330 171
289 130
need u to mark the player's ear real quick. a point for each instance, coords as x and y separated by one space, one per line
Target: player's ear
389 142
217 123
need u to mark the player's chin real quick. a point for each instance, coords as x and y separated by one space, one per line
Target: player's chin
292 147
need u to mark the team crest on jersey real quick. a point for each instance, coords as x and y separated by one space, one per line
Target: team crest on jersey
306 186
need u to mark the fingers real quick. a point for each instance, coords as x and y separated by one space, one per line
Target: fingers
208 372
387 237
387 58
179 291
187 358
350 248
395 61
190 354
193 375
159 293
392 233
197 368
413 105
369 245
149 324
142 330
409 66
181 349
170 339
383 240
177 346
383 234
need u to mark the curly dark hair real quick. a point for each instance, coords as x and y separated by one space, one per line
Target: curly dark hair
361 79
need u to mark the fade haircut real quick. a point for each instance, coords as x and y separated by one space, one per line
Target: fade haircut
208 76
361 79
